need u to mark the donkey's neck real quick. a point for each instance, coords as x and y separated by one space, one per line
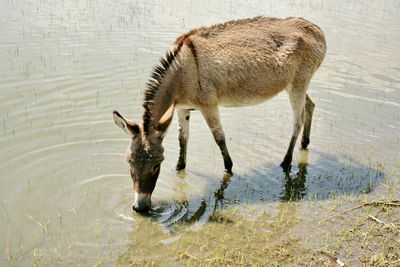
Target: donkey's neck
160 96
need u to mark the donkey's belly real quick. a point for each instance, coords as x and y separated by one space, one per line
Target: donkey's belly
247 97
241 101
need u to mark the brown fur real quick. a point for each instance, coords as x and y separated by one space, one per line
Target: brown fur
237 63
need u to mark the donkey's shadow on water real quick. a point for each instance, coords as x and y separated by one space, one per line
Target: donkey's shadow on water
325 178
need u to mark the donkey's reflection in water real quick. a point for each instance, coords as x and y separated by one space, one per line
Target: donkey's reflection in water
238 63
195 211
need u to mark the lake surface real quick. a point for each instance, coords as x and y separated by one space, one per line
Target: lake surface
65 188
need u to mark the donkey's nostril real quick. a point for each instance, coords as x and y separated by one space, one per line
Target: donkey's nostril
142 202
140 209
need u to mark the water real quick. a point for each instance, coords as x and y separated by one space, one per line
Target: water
65 191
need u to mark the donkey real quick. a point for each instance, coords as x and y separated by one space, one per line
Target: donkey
237 63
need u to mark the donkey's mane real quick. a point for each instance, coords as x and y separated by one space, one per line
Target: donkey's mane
154 83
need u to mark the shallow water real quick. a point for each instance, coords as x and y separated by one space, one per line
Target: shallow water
65 190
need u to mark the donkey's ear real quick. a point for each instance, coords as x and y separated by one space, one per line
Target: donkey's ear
129 127
162 125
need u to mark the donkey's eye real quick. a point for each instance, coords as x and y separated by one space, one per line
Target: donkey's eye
155 168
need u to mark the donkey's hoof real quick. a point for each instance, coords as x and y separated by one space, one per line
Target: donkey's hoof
180 166
305 142
286 166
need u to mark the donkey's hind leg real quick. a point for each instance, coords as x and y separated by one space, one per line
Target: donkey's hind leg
308 112
211 115
183 119
297 96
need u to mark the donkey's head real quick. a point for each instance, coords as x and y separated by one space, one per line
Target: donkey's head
144 155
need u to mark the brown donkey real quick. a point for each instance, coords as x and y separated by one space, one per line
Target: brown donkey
237 63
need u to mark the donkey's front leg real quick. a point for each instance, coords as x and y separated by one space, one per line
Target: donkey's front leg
183 119
211 115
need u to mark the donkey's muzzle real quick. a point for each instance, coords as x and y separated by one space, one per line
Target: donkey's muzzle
142 202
